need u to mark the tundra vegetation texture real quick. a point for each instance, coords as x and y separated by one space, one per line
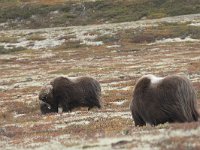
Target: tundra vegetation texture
116 54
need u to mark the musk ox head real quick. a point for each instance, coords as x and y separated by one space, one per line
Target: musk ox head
46 93
45 108
158 100
46 99
69 93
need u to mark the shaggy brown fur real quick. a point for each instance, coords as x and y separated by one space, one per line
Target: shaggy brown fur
170 99
69 94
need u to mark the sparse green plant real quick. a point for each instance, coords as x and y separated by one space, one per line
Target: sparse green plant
6 39
69 45
3 1
36 37
108 38
4 50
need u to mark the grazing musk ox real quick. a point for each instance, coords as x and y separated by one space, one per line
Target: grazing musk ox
158 100
70 93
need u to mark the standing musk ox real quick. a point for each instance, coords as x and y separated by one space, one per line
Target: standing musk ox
70 93
158 100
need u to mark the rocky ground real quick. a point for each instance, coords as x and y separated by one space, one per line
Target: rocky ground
116 55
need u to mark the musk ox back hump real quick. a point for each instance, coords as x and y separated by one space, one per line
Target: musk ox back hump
158 100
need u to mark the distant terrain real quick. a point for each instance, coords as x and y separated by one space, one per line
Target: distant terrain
21 14
115 45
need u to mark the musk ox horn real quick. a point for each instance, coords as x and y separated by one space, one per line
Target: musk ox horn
44 103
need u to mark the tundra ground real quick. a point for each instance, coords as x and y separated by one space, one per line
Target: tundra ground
116 55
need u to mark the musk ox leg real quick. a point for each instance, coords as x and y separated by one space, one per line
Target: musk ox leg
195 115
92 102
63 102
137 119
89 108
97 104
65 108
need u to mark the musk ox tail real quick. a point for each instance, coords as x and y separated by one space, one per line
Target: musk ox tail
196 116
92 92
188 99
95 91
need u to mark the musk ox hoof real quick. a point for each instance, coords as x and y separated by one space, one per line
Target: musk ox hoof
158 100
70 93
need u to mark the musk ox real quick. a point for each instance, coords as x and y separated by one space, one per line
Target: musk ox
69 93
158 100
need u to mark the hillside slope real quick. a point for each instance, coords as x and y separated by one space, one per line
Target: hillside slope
23 14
